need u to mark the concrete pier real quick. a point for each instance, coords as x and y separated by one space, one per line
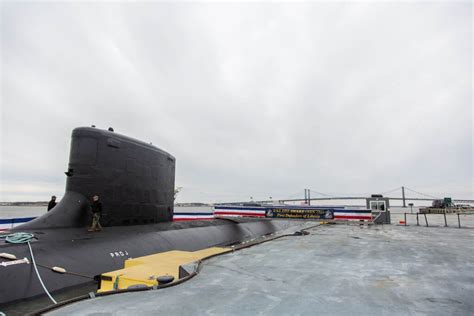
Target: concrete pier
336 270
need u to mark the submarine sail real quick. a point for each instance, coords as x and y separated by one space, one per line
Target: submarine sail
135 182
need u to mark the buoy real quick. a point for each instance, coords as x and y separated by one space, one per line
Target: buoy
402 222
7 256
58 269
165 279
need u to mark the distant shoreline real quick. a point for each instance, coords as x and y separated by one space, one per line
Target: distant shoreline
39 203
44 203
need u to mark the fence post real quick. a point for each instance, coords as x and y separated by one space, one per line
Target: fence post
426 220
417 222
445 222
459 221
405 217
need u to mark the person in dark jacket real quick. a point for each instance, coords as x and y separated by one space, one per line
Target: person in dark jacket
52 203
96 209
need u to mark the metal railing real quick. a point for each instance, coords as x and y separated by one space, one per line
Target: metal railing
405 222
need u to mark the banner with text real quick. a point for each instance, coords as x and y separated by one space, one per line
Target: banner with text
297 213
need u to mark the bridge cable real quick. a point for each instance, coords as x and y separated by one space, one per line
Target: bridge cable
323 194
391 191
427 195
297 194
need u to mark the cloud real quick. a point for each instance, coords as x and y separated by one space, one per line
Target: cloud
252 99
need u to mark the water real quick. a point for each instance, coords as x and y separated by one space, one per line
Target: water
396 214
21 211
33 211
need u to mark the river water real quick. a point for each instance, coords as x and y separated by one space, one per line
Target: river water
397 215
21 211
34 211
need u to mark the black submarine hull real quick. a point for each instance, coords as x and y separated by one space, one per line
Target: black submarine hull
135 182
86 255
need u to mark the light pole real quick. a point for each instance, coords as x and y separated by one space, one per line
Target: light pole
411 207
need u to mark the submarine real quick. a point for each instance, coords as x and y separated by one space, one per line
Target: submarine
135 181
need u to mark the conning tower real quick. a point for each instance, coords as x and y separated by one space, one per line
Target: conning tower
134 180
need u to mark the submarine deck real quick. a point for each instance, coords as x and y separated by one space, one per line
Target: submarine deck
336 270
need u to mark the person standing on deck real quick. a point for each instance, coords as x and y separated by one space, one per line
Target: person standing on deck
96 209
52 203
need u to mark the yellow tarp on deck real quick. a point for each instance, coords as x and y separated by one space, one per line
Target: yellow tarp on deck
145 270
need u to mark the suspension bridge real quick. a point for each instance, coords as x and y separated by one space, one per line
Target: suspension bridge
328 197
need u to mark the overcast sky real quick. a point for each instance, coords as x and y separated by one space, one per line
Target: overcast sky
252 99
